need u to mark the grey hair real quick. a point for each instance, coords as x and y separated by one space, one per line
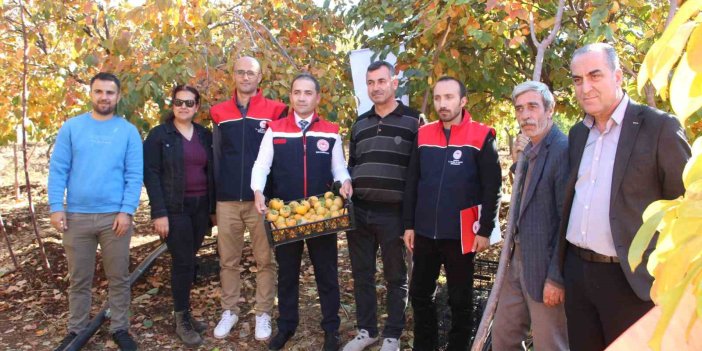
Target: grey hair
541 88
610 54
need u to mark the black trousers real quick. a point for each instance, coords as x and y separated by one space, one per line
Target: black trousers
323 253
429 255
599 303
186 230
378 230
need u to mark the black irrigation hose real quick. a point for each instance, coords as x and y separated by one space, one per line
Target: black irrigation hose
95 323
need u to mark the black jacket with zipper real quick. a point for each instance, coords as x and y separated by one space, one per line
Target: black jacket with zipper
164 173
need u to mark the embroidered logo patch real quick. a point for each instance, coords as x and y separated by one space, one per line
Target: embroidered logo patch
262 127
322 145
456 158
280 141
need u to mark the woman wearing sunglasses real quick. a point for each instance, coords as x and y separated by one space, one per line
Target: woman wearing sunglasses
178 175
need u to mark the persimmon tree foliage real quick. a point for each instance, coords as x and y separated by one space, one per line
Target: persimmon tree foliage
676 262
162 43
489 45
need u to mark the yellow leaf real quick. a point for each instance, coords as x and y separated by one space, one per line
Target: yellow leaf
652 217
670 54
669 303
689 8
694 49
682 100
645 72
677 266
693 169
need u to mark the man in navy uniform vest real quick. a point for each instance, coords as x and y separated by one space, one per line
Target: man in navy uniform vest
306 156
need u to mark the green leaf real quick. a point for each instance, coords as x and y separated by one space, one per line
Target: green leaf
91 60
148 323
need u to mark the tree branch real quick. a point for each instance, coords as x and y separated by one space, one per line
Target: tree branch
671 11
435 61
280 47
532 31
543 45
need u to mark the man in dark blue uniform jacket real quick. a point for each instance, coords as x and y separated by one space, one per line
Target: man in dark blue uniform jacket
454 167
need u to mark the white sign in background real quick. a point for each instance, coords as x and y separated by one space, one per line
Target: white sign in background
360 59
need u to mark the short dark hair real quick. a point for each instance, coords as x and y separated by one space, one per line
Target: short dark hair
308 76
461 86
377 64
106 76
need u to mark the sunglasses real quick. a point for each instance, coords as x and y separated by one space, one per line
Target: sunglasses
179 103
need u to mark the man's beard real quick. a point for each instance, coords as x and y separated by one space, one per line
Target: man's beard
453 115
108 110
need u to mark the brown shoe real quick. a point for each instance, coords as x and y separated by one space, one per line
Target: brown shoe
185 330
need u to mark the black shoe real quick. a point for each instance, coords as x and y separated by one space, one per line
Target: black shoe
279 340
66 340
124 341
332 341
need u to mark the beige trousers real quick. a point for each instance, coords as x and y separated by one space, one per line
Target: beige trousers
233 218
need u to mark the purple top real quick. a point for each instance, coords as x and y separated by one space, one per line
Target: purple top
195 163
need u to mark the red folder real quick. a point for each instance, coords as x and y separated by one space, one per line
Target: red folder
470 224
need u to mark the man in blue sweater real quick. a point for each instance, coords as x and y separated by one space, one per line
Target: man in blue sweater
97 162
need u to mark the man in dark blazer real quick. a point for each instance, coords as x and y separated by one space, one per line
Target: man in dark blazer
532 294
623 156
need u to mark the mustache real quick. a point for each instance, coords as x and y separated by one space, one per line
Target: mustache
527 123
444 110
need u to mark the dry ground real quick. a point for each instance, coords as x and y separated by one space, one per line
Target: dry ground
33 302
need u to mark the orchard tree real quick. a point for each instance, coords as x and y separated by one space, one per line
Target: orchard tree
162 43
491 46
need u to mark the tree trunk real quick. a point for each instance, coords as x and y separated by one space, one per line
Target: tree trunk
543 45
15 160
32 214
9 246
491 306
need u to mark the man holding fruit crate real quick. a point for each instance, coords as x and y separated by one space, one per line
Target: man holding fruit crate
305 155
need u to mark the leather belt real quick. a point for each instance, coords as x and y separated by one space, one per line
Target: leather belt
592 256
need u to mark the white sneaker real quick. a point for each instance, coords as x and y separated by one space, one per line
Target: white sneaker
263 327
390 344
225 324
360 342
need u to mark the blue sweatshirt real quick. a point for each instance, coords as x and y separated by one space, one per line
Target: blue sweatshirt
99 164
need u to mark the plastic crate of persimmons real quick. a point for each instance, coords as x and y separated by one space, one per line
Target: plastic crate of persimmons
307 218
